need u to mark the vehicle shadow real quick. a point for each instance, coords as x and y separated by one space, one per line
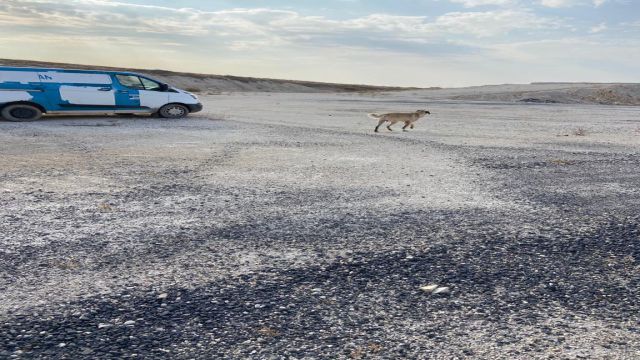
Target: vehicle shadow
105 120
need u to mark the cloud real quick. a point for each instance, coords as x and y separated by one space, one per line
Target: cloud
571 3
245 28
492 23
474 3
599 28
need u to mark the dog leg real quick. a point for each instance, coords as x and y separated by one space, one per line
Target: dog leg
412 126
382 121
406 124
390 125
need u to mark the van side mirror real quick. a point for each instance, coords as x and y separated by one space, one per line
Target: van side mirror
164 87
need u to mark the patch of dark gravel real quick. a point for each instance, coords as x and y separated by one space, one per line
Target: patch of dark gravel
572 182
367 303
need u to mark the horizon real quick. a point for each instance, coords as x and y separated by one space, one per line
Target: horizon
429 43
99 67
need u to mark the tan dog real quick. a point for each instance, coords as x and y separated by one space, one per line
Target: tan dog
392 118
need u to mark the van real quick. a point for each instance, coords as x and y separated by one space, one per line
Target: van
27 93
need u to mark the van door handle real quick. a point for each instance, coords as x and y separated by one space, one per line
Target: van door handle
104 89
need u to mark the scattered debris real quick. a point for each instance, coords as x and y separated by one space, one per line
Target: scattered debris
267 331
580 132
435 289
538 101
561 162
428 288
104 207
441 290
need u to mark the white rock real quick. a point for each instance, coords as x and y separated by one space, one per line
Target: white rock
428 288
441 290
103 325
129 323
62 344
163 296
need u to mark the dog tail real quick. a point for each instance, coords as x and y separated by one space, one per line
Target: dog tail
374 116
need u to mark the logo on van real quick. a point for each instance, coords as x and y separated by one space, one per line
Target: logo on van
44 77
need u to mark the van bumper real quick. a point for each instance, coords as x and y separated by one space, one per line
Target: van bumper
193 108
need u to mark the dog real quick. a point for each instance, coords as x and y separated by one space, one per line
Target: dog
393 118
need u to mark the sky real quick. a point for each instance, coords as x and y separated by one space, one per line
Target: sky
386 42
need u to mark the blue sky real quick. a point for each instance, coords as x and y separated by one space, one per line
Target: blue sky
399 42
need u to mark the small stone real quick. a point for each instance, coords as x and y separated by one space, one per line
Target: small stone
62 344
103 325
428 288
163 296
441 290
129 323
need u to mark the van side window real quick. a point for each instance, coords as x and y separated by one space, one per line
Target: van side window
150 84
130 81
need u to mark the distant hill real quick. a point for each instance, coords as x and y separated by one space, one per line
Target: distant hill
207 83
541 93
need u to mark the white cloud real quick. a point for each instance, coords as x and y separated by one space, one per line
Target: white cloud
570 3
492 23
599 28
258 26
474 3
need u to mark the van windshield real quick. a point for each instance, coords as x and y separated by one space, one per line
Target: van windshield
150 84
137 82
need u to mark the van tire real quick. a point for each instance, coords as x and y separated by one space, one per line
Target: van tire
21 112
173 111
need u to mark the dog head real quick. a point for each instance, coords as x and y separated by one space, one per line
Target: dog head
423 112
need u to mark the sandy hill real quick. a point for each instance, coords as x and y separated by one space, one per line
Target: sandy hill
564 93
207 83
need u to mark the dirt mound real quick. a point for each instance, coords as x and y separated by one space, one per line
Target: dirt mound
208 83
546 93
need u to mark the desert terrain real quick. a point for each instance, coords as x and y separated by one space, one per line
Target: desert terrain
278 225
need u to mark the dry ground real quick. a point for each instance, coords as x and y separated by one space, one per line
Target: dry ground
280 226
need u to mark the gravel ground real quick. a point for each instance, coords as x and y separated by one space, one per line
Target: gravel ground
279 226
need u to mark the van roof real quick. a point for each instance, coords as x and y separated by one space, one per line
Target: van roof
18 68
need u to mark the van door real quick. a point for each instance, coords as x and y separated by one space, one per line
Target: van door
127 91
153 96
139 92
78 91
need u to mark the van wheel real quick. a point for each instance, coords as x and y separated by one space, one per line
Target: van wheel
21 112
173 111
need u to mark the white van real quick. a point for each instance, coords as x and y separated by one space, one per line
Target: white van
27 93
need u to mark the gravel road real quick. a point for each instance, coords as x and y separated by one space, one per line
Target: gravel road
279 226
